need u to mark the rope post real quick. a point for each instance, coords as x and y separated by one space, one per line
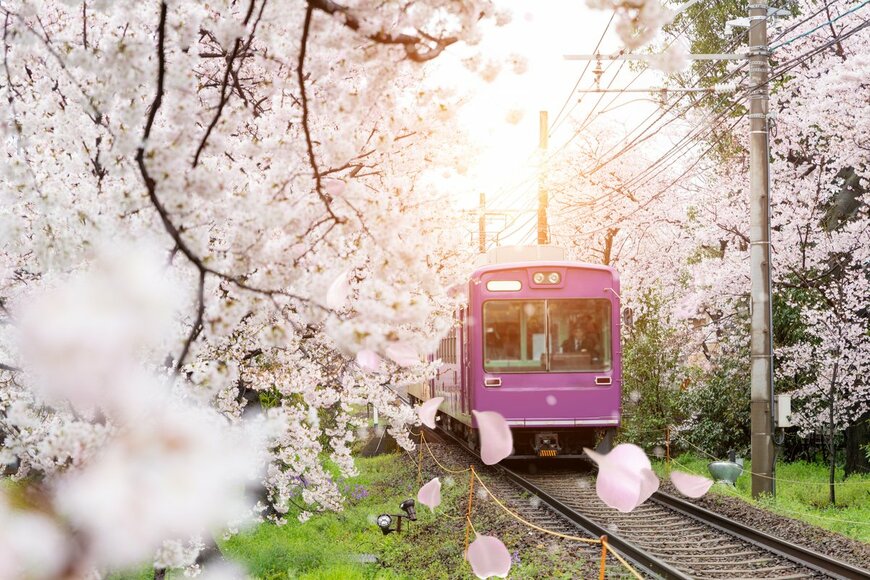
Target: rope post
468 511
420 460
603 566
668 448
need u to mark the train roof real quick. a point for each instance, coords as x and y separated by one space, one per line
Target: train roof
542 263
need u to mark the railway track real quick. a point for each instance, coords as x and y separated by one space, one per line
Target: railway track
667 537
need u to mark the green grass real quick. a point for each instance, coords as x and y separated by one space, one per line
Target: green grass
801 493
327 546
432 547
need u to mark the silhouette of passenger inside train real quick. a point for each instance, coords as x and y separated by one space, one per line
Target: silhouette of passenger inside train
581 341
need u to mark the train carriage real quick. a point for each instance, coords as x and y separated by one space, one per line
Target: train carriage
537 341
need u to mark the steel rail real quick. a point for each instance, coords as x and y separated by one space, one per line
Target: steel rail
793 552
646 563
649 564
655 566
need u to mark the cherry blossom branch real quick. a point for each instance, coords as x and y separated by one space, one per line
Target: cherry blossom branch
197 323
312 159
411 43
173 231
10 368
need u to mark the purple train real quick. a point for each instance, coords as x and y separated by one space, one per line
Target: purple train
538 342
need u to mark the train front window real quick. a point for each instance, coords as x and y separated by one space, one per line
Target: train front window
570 335
579 335
515 338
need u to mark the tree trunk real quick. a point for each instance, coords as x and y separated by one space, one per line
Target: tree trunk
857 438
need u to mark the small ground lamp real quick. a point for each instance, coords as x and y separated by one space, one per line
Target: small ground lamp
386 520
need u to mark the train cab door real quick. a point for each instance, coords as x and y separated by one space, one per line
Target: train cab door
465 398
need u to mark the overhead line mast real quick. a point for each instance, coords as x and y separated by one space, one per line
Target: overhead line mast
761 407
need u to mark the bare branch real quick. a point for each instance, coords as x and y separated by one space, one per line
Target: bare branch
197 323
225 83
312 159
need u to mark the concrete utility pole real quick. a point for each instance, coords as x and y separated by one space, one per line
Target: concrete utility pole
761 408
543 201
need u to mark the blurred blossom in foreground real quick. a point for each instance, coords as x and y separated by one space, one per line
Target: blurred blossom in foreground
177 472
84 337
166 468
31 544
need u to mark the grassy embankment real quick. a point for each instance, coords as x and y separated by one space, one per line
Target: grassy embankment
802 493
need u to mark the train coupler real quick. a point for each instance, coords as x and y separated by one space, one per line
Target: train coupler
547 444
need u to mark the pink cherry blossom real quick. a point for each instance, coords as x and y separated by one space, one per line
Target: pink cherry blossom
488 557
691 485
496 440
427 411
625 478
430 494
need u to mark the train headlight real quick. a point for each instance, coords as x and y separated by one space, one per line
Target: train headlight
546 278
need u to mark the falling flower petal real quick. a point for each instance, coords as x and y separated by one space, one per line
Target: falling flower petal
649 485
488 557
428 410
334 187
496 441
336 296
690 485
368 360
625 478
403 355
430 494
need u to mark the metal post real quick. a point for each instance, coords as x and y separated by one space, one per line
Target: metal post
759 254
481 225
543 234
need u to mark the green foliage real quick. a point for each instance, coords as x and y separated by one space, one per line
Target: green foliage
718 407
801 493
652 375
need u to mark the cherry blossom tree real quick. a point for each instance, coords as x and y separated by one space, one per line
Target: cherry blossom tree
213 222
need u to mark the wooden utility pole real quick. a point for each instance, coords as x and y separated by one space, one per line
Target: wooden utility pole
761 406
481 225
543 201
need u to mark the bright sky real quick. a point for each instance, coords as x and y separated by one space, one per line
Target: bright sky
543 32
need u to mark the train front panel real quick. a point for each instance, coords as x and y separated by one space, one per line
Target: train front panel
544 352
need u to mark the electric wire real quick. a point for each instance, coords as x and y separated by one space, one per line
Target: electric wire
582 74
831 21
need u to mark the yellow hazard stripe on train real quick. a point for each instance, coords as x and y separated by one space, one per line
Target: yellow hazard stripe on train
547 453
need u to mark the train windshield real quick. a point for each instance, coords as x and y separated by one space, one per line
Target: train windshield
547 335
